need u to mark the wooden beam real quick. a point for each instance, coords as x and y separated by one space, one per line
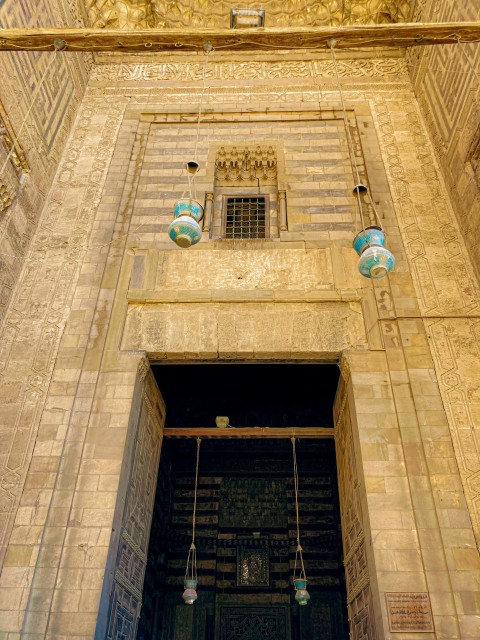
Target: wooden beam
154 40
251 432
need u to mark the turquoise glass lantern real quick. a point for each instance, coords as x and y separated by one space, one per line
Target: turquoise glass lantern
185 231
375 259
302 597
188 207
375 262
301 594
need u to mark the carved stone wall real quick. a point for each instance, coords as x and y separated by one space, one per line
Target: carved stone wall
447 84
56 85
216 13
13 162
447 289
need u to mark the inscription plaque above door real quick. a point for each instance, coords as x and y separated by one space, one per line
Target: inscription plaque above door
253 503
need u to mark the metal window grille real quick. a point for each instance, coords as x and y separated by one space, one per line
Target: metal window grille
245 217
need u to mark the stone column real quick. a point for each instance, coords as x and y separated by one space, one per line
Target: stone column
282 207
207 219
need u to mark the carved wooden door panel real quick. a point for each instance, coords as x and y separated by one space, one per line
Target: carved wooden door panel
361 614
243 622
128 553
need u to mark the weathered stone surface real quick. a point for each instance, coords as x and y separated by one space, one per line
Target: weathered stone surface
251 329
309 269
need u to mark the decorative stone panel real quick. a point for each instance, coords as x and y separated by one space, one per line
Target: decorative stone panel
282 329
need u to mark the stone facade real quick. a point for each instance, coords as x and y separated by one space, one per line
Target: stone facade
104 291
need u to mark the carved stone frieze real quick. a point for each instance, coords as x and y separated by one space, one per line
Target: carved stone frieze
250 70
131 14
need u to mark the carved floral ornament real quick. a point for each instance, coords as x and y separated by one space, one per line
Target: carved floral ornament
141 14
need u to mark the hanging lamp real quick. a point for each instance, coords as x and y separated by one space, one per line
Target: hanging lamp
299 576
184 229
369 242
191 579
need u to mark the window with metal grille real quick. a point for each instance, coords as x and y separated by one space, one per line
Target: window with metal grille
245 217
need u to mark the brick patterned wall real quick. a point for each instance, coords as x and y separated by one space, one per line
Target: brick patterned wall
316 161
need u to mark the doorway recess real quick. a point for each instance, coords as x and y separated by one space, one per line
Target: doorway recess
245 532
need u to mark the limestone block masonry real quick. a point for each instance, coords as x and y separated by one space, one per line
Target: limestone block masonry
109 292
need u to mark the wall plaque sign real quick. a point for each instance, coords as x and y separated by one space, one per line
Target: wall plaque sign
409 612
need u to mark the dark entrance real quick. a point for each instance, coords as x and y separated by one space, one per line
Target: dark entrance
246 509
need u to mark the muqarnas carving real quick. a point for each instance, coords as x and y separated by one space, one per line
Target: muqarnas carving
246 164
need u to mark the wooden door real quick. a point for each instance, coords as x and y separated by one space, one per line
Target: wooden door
253 622
122 594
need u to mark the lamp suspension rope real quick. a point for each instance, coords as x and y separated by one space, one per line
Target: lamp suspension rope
332 43
298 553
191 576
300 581
369 242
207 48
185 230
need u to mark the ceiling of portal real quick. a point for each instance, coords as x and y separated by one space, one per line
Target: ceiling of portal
141 14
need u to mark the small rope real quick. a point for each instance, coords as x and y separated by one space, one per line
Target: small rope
199 441
200 107
349 137
298 552
191 570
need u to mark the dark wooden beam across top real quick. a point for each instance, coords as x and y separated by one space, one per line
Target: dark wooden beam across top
156 40
251 432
